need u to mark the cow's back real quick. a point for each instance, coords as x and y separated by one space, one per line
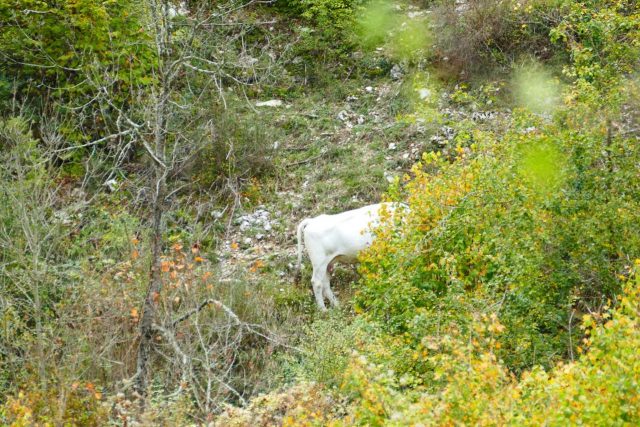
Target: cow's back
346 233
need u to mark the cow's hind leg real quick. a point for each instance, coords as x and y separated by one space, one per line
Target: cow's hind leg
328 293
326 287
318 282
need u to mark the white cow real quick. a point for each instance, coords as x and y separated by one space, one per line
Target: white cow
339 237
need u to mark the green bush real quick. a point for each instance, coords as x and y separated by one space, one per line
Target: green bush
325 40
328 344
603 39
236 153
537 225
58 44
474 387
481 33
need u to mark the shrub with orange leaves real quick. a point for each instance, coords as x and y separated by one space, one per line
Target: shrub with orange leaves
477 235
77 406
533 224
473 386
305 404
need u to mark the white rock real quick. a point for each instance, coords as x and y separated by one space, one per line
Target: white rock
182 10
392 146
343 115
448 131
368 89
424 93
247 61
62 217
388 176
396 72
461 6
78 193
270 103
111 184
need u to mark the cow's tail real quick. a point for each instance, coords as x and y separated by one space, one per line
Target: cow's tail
301 228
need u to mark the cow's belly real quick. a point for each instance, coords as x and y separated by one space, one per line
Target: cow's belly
347 245
345 259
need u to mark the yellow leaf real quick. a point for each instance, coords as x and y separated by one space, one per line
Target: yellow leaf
135 254
234 246
134 313
176 247
198 259
256 265
609 324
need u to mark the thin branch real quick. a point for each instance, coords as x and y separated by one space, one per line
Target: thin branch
204 304
200 70
310 159
630 131
186 360
153 155
97 141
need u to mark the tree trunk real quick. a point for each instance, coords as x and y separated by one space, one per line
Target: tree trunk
155 273
155 286
158 157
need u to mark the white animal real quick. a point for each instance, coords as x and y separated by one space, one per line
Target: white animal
339 237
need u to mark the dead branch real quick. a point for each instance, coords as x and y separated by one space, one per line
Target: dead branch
204 304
